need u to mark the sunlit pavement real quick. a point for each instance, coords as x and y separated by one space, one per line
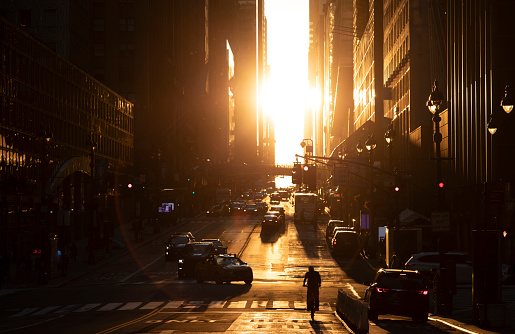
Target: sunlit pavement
286 322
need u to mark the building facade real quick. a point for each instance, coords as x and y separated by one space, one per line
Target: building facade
65 140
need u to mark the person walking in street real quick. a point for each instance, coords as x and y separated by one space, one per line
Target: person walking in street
313 283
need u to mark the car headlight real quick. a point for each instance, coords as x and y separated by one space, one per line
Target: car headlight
181 261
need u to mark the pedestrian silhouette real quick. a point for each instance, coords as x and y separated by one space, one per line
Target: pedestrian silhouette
313 283
395 263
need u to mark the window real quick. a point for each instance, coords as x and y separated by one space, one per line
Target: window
98 25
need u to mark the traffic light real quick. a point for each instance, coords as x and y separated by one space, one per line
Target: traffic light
296 174
441 184
309 176
397 189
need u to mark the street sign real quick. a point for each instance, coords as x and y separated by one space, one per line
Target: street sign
341 175
440 221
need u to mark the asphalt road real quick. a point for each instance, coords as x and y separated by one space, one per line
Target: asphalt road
140 291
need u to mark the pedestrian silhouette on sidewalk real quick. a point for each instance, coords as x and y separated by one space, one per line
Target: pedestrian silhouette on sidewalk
313 283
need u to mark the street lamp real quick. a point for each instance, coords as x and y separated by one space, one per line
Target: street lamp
92 145
389 136
433 104
507 100
359 148
370 145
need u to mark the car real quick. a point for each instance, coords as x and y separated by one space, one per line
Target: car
218 210
223 268
340 228
278 214
176 243
346 243
258 195
192 253
331 224
262 207
426 261
398 292
251 209
280 209
219 247
275 198
271 220
236 208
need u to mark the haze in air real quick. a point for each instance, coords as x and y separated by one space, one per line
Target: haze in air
286 87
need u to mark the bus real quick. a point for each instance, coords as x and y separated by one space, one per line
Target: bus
305 207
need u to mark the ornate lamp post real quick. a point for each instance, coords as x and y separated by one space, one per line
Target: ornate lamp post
359 148
389 136
370 145
433 104
92 233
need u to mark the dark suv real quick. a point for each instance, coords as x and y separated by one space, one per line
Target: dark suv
176 243
193 253
399 292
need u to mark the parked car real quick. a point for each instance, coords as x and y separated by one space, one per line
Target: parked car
398 292
340 228
426 261
346 243
192 253
176 243
223 268
331 224
219 247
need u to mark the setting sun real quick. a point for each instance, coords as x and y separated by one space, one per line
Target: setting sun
286 89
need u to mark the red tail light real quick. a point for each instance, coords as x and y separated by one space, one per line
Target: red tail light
382 290
409 265
334 242
423 292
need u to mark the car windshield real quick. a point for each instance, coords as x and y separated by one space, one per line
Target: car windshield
226 261
179 240
400 282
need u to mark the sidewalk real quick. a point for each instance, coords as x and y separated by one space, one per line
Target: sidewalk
461 317
123 241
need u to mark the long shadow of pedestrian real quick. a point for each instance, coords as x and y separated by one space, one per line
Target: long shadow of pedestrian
318 326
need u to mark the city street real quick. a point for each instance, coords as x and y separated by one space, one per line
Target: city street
140 292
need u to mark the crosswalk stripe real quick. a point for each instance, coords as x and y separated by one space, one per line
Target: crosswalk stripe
66 309
87 307
217 304
109 307
129 306
151 305
280 304
46 310
299 305
193 304
238 304
171 304
259 304
24 312
174 304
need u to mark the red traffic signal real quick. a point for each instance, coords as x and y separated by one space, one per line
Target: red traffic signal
441 184
397 189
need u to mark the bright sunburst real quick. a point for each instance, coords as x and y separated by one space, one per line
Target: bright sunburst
285 95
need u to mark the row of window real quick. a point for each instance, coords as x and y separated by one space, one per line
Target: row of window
39 91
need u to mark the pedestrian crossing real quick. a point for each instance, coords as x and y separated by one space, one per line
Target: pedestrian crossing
169 305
